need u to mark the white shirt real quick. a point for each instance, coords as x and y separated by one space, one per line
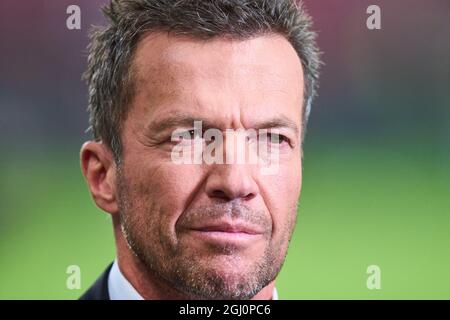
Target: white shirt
119 288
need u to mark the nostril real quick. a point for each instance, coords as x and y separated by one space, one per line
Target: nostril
219 194
249 196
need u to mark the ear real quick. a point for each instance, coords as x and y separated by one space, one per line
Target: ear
99 169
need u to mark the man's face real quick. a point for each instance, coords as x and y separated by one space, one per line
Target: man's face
220 230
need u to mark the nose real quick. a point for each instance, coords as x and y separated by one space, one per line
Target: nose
231 181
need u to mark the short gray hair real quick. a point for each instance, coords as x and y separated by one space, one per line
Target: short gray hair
109 77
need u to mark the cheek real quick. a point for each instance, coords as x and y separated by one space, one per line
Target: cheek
282 195
285 186
164 191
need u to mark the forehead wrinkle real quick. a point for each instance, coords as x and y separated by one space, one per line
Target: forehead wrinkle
165 78
179 119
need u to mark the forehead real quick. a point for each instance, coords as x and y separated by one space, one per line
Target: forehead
257 74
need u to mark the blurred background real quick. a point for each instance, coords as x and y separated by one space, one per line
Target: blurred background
376 187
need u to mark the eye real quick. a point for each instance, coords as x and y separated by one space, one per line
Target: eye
277 138
192 134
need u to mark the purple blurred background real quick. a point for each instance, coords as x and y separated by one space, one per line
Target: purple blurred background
392 82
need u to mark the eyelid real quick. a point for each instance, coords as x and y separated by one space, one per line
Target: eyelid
282 138
270 132
187 131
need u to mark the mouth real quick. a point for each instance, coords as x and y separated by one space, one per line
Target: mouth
239 234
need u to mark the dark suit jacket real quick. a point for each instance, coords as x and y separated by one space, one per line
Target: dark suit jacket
99 290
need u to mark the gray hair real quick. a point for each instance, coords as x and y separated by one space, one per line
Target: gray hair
109 77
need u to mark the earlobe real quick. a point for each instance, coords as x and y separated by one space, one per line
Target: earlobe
99 170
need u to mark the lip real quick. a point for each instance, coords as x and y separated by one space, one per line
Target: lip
228 227
226 232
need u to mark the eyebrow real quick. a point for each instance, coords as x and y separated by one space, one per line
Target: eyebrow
177 120
277 123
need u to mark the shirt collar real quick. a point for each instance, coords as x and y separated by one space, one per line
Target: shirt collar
119 288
